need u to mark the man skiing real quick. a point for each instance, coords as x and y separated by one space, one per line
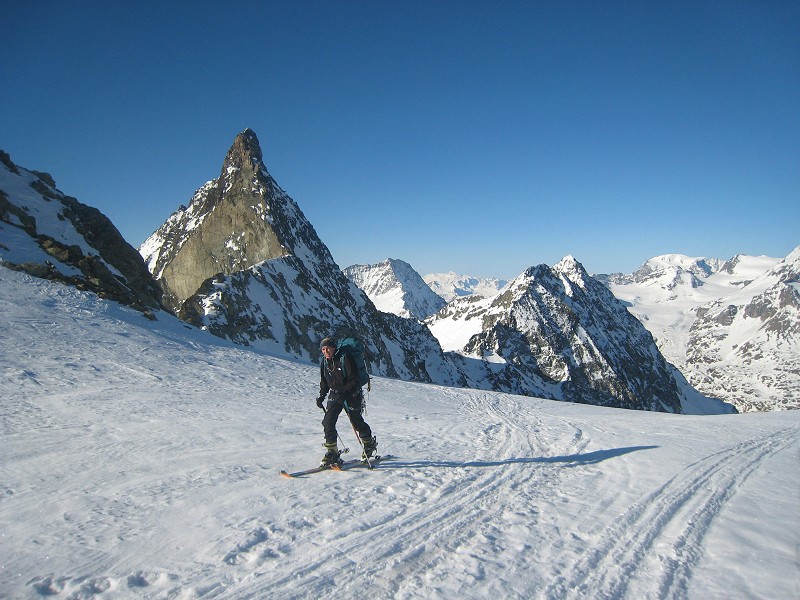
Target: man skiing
344 393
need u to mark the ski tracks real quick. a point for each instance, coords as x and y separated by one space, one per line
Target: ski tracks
650 551
427 520
480 520
482 527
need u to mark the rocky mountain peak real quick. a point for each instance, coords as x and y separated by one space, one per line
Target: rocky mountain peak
559 333
568 264
231 224
244 150
244 162
243 262
573 271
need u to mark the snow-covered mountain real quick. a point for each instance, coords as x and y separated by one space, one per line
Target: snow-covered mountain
671 272
746 347
507 360
452 285
51 235
558 333
395 287
666 290
294 294
731 327
140 460
244 262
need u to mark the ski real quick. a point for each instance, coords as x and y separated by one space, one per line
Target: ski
362 463
346 464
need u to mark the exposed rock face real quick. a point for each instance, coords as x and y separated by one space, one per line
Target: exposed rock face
243 261
53 236
558 333
231 224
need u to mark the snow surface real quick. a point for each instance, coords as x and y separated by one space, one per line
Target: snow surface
455 332
140 459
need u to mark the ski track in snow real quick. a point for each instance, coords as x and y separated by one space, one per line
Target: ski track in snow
666 528
440 536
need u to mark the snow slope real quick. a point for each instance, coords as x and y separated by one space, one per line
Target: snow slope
140 460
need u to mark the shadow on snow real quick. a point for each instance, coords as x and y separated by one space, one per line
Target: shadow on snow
572 460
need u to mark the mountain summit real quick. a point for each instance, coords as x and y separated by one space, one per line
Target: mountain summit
244 262
559 333
395 287
234 222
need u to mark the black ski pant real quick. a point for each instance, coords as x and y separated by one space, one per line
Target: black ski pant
334 409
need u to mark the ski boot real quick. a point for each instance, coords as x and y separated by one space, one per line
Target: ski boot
332 455
370 445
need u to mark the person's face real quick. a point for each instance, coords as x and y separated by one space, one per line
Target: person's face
327 351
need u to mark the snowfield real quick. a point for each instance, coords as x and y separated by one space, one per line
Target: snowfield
667 300
140 459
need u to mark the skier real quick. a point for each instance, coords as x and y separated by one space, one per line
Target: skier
344 393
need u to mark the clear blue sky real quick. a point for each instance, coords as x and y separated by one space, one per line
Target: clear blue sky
479 137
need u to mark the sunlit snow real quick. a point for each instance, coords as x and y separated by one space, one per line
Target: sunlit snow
140 460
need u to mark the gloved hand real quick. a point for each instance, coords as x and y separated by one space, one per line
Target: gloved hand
320 400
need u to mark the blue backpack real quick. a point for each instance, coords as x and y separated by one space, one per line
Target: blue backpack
355 348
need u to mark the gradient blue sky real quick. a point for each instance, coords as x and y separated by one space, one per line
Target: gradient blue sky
479 137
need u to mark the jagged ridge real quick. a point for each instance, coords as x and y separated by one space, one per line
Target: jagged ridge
559 333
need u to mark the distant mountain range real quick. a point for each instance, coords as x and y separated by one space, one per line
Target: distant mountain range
452 285
730 327
243 262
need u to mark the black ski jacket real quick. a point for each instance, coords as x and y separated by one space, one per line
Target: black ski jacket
332 379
